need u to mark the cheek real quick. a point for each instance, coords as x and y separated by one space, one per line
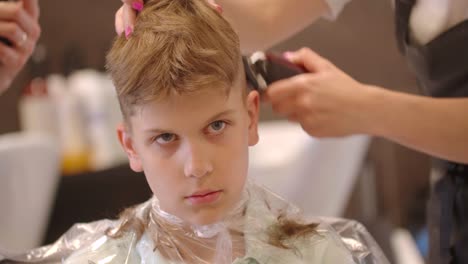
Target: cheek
160 173
235 156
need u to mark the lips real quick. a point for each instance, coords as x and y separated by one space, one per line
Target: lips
204 197
202 193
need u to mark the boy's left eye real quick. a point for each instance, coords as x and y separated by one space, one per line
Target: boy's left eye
217 126
165 138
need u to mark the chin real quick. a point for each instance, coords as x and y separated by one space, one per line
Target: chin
205 220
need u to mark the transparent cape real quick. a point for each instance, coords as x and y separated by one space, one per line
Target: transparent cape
243 237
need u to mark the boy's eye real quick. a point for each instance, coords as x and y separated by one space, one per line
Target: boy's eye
165 138
217 126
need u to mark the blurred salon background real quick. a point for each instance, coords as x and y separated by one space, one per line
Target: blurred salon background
66 103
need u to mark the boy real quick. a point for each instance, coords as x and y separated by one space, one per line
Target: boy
188 123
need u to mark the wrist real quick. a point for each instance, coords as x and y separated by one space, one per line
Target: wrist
374 110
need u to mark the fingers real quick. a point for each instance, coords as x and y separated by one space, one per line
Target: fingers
286 108
29 25
284 96
292 97
125 17
8 56
119 24
215 6
287 88
283 89
17 25
309 59
137 5
13 33
128 2
295 110
32 7
129 18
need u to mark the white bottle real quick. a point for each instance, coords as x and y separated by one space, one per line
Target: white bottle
98 99
37 113
72 134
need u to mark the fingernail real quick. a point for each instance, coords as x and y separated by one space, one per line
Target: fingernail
128 31
288 55
137 5
218 8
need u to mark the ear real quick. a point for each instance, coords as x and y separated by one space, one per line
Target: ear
253 101
126 141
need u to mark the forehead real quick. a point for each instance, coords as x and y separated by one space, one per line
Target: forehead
188 108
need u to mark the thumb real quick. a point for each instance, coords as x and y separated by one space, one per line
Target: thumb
310 60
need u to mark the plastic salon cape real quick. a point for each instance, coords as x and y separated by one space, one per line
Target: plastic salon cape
166 239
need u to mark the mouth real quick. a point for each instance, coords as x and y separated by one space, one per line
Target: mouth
204 197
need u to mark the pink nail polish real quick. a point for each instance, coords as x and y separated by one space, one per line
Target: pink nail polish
128 31
288 55
137 5
218 8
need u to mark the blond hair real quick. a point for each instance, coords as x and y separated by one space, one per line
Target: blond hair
178 46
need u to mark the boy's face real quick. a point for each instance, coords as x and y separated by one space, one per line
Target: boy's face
193 149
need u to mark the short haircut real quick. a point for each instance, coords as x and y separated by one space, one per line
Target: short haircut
177 46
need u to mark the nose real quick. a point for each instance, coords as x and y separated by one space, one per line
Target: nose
197 163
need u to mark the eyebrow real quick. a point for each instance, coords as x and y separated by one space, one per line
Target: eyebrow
226 112
218 115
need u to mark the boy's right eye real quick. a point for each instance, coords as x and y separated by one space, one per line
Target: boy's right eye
166 138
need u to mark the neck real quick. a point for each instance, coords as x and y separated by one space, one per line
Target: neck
176 240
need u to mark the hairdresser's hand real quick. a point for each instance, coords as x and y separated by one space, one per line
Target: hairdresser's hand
326 102
126 15
19 26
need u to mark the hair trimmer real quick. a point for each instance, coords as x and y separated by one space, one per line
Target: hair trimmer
262 69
